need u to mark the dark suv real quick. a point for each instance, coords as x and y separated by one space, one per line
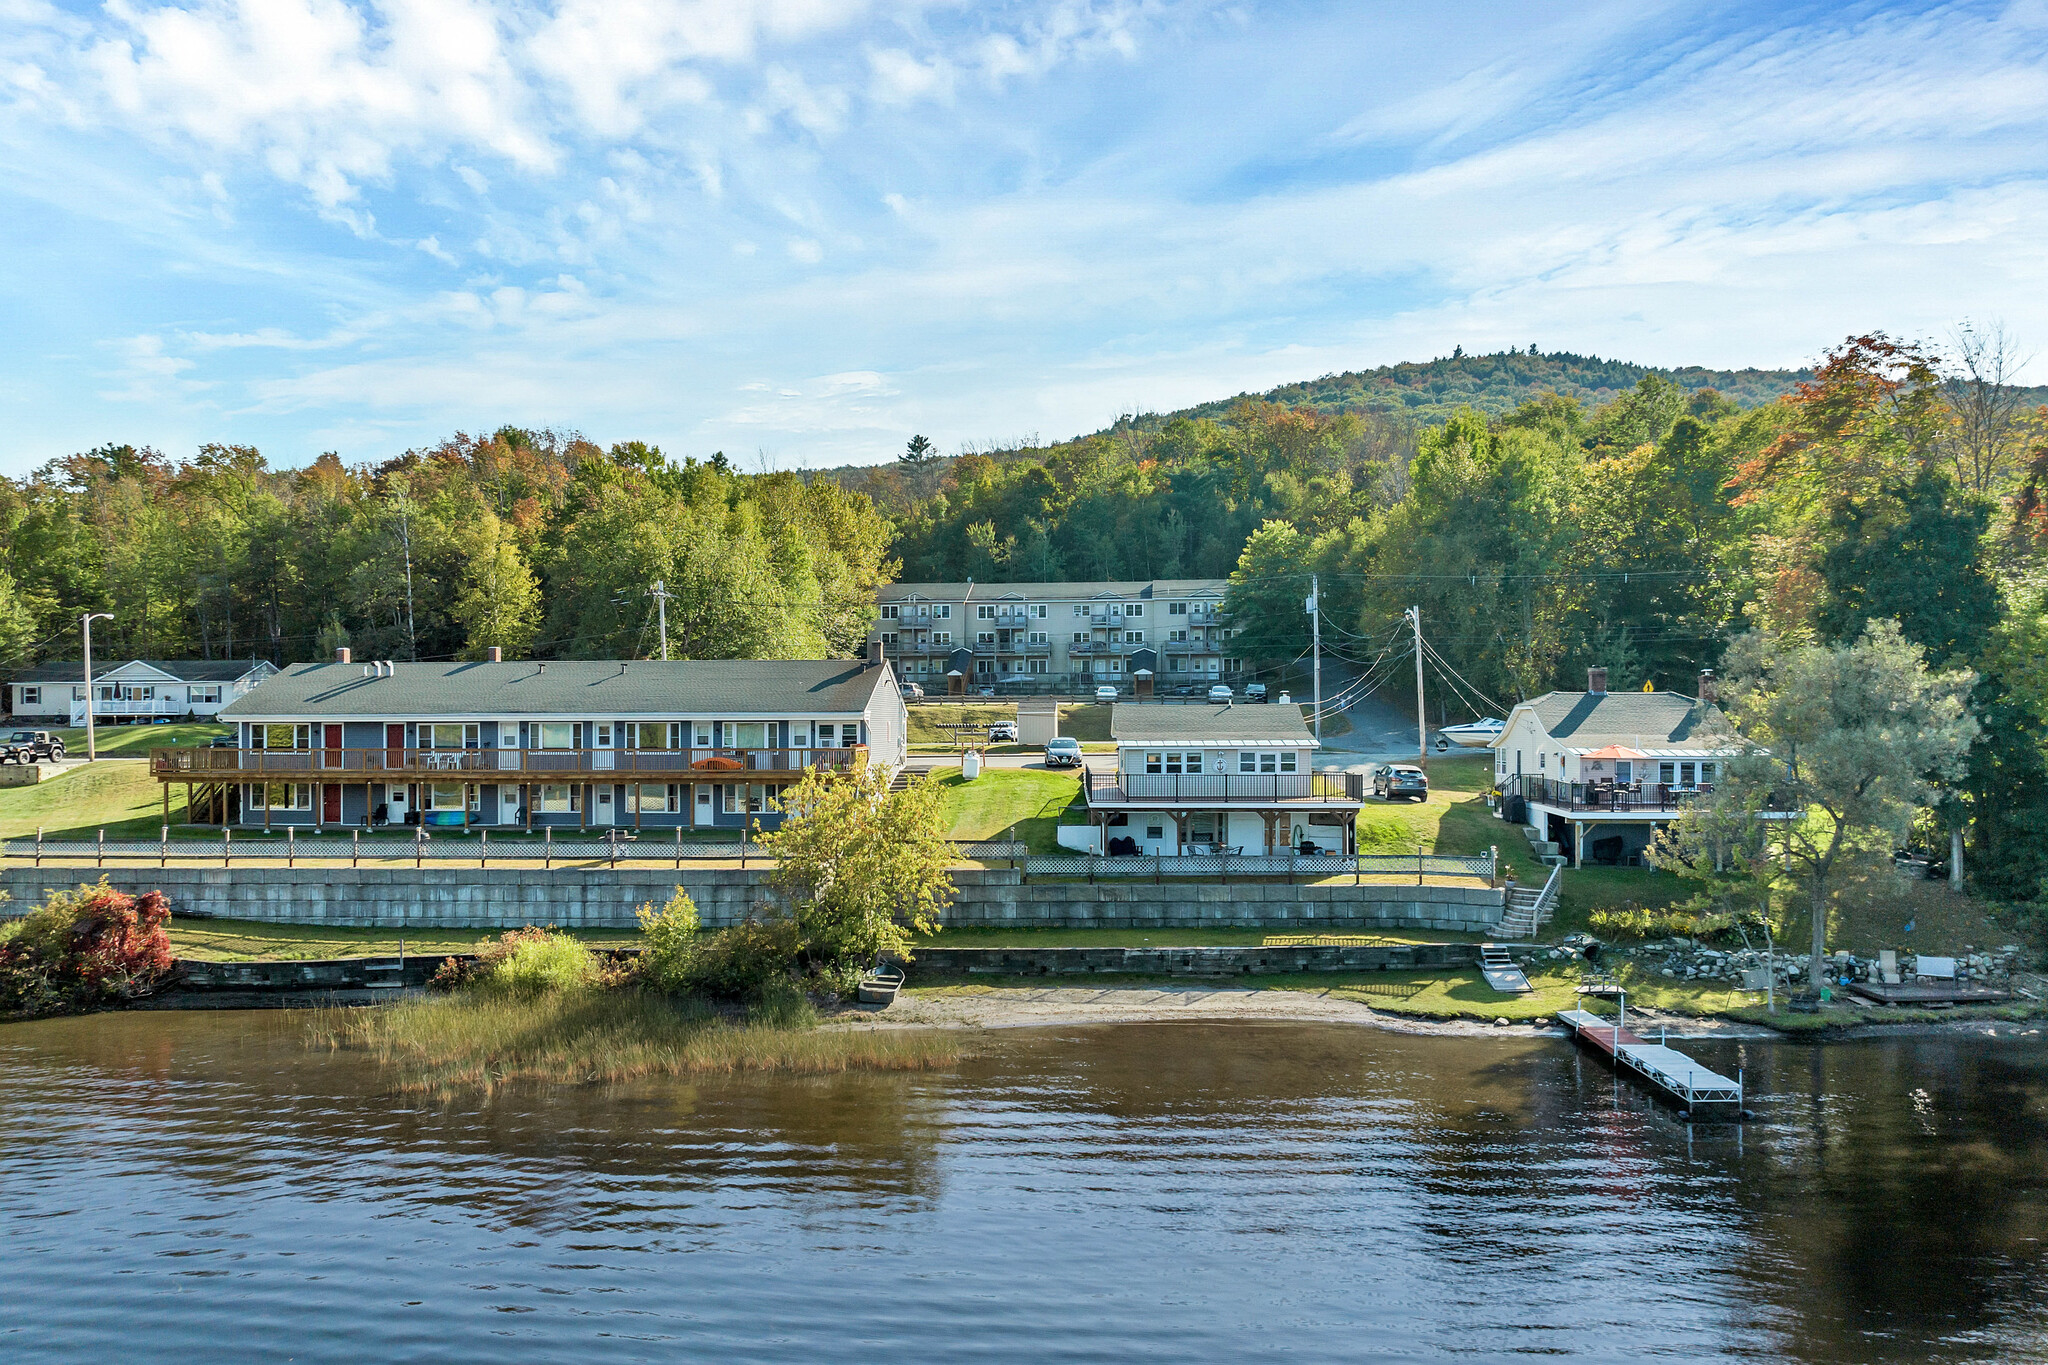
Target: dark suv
1400 779
31 746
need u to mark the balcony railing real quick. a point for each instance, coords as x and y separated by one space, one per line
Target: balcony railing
1191 647
1204 788
1611 798
496 765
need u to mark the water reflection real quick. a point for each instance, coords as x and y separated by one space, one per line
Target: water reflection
1174 1190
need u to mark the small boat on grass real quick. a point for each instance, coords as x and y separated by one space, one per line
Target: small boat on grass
879 985
1474 734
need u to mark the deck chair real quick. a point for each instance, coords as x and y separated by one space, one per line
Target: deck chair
1888 966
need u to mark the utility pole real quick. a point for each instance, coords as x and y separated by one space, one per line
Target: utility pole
91 752
1315 617
1421 716
660 594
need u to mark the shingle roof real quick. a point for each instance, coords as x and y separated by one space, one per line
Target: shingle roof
644 687
1160 724
1589 720
1064 592
184 670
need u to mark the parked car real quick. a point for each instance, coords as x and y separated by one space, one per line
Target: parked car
912 692
1390 780
1255 692
1003 731
985 690
1188 690
1220 692
1063 751
31 746
1105 693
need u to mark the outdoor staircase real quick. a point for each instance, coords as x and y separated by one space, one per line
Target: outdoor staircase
1529 907
1500 970
1546 850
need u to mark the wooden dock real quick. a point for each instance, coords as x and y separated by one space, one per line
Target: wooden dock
1665 1070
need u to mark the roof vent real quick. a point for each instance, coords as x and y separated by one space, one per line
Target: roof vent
1596 681
495 654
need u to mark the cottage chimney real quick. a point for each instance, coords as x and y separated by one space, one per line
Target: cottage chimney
1596 681
1710 691
341 655
495 654
878 653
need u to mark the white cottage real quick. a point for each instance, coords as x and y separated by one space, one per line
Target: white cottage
132 690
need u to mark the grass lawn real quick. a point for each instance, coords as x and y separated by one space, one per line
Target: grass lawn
121 797
1030 799
1085 721
231 940
135 741
928 719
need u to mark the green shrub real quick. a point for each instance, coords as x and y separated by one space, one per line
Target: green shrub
736 962
1632 921
536 965
669 959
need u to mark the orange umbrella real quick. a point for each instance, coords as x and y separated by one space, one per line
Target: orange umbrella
1616 751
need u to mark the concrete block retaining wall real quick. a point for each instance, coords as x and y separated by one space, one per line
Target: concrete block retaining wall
943 961
605 898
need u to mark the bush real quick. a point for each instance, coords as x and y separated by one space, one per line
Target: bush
1632 921
736 963
85 948
779 1002
671 952
527 961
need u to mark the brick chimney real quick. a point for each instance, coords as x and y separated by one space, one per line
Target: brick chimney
341 655
1710 691
1596 681
494 655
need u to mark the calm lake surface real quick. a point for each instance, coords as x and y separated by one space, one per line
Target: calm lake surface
204 1187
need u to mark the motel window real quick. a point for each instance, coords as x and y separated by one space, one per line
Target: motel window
1134 609
1081 610
750 734
31 696
1176 609
1039 637
1041 665
283 736
281 796
1134 637
560 798
448 796
943 611
448 737
655 734
650 797
706 735
889 637
987 612
558 734
1038 612
889 610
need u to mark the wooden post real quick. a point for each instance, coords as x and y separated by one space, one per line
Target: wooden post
100 859
291 846
526 803
483 848
39 845
163 843
355 848
583 815
419 846
547 849
679 845
167 809
227 845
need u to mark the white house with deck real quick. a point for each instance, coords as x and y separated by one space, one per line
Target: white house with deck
133 690
1598 773
1203 779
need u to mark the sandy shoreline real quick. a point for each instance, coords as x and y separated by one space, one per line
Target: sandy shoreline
1005 1007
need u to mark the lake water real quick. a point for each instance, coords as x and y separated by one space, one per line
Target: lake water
204 1186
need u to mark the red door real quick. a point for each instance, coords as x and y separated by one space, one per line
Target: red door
330 802
333 746
394 746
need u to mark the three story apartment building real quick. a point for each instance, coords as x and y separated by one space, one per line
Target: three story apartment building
959 636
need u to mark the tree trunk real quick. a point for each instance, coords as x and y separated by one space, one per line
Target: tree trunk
1818 896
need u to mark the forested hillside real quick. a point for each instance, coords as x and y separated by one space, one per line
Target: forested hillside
542 544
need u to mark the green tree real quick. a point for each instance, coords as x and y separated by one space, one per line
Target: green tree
1266 603
862 868
500 601
1856 736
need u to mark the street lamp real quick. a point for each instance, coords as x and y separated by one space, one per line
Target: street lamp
91 754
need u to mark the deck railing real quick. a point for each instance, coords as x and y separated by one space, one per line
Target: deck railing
498 765
1610 797
1107 789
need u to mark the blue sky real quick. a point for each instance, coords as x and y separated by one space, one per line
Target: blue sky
800 230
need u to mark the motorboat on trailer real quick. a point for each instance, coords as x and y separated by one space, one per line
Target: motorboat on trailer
1474 734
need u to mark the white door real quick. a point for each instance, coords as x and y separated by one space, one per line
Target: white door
702 804
601 805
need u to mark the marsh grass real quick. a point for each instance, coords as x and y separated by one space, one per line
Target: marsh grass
477 1040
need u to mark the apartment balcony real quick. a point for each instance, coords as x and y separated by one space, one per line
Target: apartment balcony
488 765
1101 648
1191 647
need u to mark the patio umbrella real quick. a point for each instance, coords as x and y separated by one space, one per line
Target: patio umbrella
1616 751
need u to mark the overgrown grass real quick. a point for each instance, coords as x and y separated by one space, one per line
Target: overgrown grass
929 719
1085 721
120 797
1030 799
481 1039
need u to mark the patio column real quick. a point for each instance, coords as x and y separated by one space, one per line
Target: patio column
1578 844
1267 816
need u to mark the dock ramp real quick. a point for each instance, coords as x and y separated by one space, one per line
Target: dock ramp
1500 971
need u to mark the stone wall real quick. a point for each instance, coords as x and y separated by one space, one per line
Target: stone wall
603 897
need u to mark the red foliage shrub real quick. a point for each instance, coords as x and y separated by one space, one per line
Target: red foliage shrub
85 948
